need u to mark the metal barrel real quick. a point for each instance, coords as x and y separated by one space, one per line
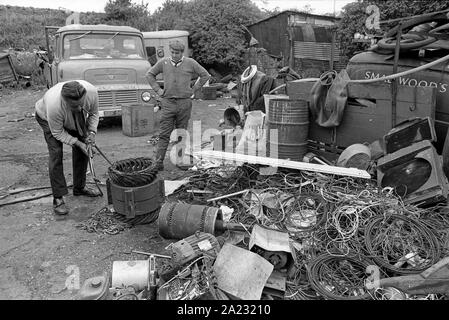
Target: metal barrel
291 120
136 201
181 220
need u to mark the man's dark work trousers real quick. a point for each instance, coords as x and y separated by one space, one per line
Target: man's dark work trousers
55 168
175 114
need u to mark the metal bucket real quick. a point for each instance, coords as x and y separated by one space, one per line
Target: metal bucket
291 120
180 220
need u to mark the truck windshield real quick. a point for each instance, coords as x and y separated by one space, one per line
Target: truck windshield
92 45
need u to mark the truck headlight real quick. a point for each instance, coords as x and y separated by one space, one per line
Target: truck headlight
146 96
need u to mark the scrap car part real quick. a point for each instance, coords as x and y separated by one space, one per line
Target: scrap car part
96 288
194 246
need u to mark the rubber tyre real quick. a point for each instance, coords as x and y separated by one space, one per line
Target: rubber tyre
390 44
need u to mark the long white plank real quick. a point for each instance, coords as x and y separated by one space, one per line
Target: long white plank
237 157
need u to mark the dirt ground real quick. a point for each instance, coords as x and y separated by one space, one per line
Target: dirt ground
38 254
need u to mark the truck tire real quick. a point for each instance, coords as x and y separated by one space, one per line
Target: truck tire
406 44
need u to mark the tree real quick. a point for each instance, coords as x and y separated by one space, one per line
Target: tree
307 9
124 12
271 12
171 15
354 17
215 29
119 10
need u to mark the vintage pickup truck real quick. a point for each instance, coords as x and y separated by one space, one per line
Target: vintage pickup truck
112 58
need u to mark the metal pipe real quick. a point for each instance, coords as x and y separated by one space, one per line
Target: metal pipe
151 254
228 195
92 170
102 154
394 85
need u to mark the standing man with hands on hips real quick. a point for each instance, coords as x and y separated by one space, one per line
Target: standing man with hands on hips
176 97
62 115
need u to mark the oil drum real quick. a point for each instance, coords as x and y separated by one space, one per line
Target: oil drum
291 120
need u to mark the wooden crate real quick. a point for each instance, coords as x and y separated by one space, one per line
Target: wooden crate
7 72
369 123
137 120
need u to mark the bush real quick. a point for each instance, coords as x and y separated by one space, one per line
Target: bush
215 30
23 27
214 25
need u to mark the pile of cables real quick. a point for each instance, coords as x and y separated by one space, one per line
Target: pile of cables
339 277
192 282
337 225
401 244
437 220
107 221
103 221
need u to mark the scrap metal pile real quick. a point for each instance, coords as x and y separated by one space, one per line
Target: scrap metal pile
291 235
337 228
251 232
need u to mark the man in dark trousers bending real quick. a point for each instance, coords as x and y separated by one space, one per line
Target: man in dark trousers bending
68 114
176 103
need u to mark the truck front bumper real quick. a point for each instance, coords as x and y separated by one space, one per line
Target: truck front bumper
106 113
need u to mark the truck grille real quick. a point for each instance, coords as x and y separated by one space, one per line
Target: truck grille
108 99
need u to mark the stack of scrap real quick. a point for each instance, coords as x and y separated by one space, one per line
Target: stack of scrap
305 231
338 228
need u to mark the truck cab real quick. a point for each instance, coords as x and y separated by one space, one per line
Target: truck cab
112 58
156 45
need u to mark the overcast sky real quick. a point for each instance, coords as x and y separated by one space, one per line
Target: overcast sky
319 6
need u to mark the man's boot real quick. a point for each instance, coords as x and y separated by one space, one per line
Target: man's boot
59 207
86 191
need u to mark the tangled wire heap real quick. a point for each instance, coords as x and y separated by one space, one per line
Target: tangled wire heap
107 221
192 282
337 226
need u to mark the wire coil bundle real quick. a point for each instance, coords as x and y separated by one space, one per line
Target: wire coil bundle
133 172
401 244
339 278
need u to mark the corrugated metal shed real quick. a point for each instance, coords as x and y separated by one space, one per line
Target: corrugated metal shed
314 50
7 72
298 16
300 38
